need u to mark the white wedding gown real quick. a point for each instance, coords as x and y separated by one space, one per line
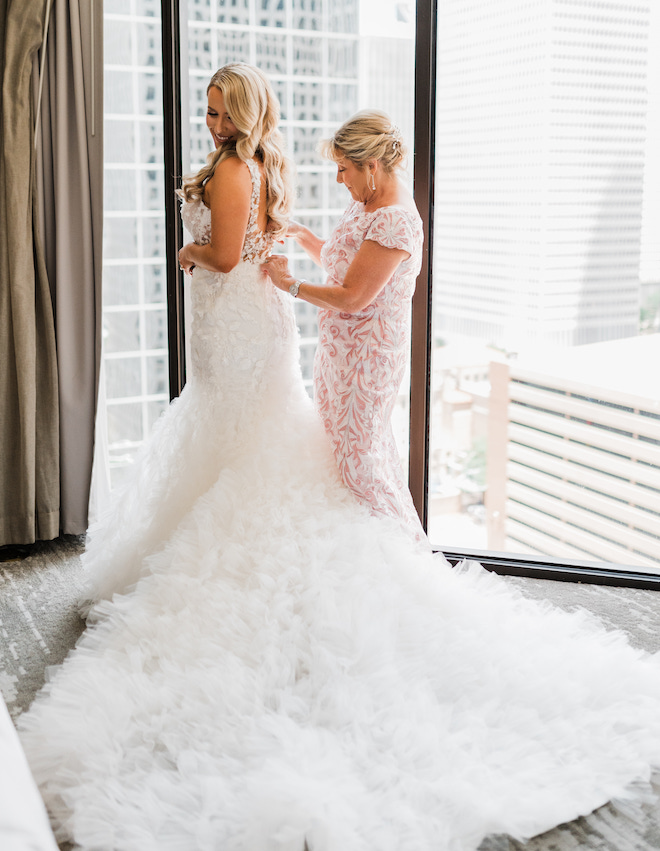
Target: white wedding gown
278 667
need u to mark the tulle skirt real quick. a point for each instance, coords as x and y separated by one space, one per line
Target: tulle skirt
269 665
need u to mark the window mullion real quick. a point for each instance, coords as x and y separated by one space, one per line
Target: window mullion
424 147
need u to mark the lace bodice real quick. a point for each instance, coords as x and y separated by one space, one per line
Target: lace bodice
197 221
242 328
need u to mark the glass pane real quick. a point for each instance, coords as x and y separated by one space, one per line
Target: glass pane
117 91
271 53
121 332
120 192
199 10
233 11
119 136
134 343
307 56
332 59
270 13
122 377
120 285
157 376
307 14
545 435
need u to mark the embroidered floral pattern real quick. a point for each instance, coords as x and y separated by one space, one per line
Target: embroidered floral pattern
237 319
258 244
361 360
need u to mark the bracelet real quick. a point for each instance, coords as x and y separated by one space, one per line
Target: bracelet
295 286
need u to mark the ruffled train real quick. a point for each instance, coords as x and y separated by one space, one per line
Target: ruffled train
270 665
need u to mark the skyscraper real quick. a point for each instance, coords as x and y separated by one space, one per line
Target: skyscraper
540 170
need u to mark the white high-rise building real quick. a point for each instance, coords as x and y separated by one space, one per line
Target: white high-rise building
541 136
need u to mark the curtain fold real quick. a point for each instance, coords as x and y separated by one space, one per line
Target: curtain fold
70 180
29 416
51 192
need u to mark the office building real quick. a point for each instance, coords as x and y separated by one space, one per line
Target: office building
541 141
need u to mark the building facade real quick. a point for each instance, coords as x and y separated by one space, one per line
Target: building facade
541 142
574 456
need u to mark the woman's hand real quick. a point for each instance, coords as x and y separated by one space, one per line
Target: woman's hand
185 260
277 268
308 241
296 230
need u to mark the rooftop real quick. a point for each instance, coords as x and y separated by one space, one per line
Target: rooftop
629 367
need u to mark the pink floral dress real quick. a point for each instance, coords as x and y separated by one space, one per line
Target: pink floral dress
361 359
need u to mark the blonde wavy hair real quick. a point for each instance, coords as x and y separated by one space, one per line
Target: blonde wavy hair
367 135
255 112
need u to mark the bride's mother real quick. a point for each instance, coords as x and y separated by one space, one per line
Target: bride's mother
372 260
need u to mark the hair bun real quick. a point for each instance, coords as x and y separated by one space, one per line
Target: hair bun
369 134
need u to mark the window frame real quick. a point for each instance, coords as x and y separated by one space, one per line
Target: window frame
173 169
426 43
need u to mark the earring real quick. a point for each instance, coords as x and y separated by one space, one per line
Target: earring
373 183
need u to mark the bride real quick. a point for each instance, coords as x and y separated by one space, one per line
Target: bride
269 666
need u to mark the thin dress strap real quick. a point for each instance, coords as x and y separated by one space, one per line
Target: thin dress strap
257 244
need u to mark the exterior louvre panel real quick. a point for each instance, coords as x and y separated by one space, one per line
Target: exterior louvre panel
582 470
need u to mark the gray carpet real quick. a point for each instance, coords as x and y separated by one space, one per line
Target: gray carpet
39 624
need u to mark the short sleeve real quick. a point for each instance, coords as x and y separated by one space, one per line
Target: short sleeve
392 227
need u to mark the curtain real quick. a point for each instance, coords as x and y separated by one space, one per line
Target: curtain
70 181
50 297
29 417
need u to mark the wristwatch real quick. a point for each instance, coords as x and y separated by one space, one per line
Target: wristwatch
295 286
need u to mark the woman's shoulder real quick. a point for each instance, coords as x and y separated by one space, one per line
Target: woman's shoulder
403 212
231 168
395 226
231 175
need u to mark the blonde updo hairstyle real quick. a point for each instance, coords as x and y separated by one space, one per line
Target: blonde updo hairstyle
367 135
255 112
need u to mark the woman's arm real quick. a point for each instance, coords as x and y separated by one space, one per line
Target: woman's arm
371 269
307 240
228 195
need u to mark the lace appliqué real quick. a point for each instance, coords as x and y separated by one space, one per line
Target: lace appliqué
258 244
242 326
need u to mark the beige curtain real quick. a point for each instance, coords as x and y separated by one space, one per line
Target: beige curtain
70 181
29 418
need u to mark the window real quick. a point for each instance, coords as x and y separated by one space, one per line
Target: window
536 415
134 293
545 406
